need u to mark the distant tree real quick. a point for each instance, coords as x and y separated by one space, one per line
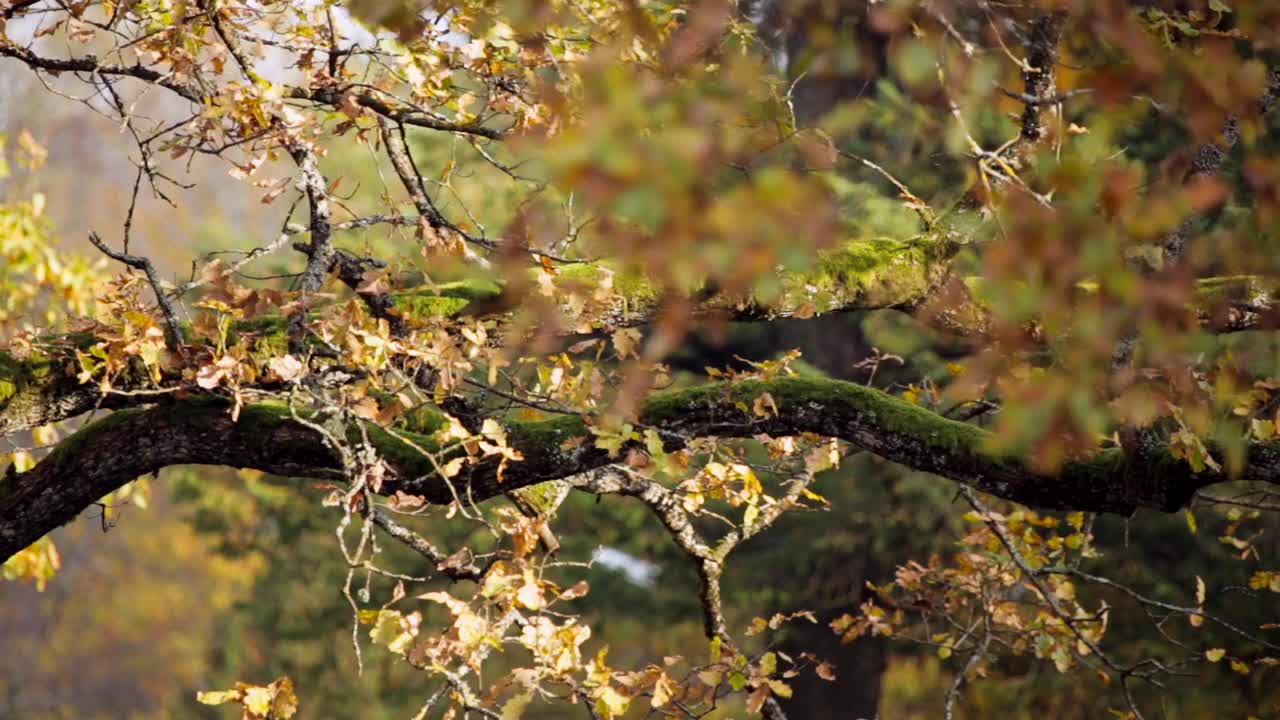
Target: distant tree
1077 202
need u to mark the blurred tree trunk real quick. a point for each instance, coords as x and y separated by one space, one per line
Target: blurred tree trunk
859 666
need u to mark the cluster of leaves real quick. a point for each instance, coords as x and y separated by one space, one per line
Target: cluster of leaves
1020 580
41 284
276 701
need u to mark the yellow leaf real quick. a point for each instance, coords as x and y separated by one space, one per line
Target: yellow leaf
768 663
662 691
387 626
764 406
625 342
711 678
610 703
285 703
780 688
530 596
257 700
395 631
1265 579
452 467
1215 654
217 697
814 496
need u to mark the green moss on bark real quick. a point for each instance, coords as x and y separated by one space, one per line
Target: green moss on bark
73 445
636 289
876 272
429 306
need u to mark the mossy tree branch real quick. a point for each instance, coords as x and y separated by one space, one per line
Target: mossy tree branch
125 445
864 275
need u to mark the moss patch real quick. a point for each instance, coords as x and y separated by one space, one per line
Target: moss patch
416 305
878 272
635 288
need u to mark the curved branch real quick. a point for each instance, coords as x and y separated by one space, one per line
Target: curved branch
119 448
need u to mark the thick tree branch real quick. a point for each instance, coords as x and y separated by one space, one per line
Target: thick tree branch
320 253
117 449
1039 73
91 64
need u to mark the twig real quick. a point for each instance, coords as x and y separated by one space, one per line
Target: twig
173 330
423 547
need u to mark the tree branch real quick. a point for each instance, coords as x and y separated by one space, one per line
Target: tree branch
404 115
117 449
320 254
91 64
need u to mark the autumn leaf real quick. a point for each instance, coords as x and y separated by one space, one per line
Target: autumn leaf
218 697
764 406
625 342
610 703
287 368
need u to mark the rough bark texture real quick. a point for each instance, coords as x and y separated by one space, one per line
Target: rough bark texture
125 445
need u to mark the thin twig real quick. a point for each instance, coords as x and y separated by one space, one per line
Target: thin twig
173 330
